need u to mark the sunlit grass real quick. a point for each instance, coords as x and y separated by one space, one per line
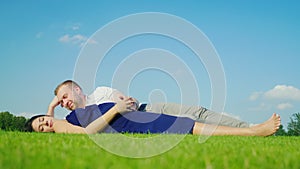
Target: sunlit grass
48 150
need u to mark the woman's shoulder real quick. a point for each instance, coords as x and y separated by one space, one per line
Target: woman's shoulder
63 126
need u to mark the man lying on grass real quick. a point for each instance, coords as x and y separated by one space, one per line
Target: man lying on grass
70 96
120 118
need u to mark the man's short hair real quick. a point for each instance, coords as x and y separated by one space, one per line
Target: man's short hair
69 83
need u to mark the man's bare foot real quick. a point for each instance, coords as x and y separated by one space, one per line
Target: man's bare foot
268 127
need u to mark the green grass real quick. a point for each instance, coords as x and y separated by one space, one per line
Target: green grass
47 150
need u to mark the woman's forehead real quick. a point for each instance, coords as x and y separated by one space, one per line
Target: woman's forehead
35 124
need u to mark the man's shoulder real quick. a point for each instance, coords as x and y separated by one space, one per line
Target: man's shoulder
102 89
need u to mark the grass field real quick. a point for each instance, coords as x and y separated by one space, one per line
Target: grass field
46 150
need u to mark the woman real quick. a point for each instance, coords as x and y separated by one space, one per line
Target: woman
119 117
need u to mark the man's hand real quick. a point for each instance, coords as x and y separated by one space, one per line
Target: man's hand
134 102
137 104
125 105
54 103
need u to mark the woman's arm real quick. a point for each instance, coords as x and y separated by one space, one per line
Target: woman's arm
122 106
97 125
63 126
100 123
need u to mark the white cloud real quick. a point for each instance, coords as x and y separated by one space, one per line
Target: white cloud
283 92
280 97
254 96
76 39
72 39
283 106
75 27
65 39
26 114
262 107
279 92
92 41
39 35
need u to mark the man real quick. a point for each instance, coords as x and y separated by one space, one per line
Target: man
69 95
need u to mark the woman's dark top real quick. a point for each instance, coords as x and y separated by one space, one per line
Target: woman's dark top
132 122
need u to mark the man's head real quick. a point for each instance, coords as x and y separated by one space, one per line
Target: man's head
70 95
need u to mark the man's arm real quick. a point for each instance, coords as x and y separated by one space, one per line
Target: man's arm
107 94
55 102
116 95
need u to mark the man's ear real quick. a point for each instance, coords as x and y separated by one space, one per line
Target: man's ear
77 89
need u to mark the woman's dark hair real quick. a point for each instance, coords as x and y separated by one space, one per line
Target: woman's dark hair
28 124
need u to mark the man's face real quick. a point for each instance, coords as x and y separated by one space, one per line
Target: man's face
70 98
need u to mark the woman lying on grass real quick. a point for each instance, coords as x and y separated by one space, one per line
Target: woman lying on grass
119 118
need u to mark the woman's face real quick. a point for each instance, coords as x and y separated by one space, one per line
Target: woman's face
43 124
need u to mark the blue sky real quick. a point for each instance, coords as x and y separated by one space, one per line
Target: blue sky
257 42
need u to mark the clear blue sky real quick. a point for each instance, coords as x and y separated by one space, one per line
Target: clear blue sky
257 42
